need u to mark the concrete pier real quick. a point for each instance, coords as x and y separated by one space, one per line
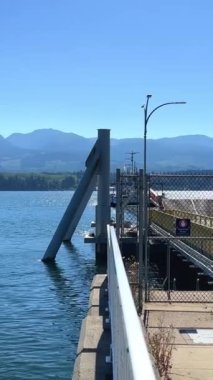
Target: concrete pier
190 360
95 336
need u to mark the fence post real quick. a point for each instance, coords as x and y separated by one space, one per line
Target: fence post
197 284
168 270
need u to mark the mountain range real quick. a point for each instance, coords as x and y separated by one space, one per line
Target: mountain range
52 150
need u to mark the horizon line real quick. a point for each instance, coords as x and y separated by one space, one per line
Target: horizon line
92 137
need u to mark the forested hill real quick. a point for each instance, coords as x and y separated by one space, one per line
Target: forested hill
48 150
41 181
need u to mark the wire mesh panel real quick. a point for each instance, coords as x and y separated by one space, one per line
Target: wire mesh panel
189 193
127 209
185 208
181 296
180 213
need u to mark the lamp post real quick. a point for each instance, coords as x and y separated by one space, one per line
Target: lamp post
143 232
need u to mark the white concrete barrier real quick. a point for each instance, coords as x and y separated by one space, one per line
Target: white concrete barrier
130 357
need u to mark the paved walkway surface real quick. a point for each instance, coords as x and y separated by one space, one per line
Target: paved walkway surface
190 361
95 337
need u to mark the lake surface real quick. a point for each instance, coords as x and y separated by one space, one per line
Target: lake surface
41 306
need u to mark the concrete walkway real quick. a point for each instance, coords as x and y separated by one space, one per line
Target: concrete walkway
95 336
190 361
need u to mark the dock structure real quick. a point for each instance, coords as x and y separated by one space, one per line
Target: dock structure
186 313
164 224
112 341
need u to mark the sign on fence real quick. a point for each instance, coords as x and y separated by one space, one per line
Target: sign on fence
183 227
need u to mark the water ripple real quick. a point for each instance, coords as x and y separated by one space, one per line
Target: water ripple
41 306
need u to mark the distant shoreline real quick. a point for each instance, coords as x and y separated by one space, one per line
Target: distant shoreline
39 181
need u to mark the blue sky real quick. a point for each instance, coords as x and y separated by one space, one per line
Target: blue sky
81 65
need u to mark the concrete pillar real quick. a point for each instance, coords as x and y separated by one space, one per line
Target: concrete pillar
118 203
103 204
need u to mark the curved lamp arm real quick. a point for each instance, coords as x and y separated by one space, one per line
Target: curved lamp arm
161 105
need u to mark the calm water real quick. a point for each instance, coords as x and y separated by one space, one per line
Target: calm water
41 307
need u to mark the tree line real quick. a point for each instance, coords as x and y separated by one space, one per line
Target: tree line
39 181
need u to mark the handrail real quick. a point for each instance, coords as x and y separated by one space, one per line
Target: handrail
200 219
166 220
131 358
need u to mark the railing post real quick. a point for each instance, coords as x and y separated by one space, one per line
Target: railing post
169 270
197 284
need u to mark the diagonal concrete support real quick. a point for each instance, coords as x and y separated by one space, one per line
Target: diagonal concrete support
96 164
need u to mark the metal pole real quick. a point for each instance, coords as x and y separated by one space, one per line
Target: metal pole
168 270
140 243
146 200
144 224
145 203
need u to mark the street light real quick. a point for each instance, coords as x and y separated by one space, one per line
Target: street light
143 232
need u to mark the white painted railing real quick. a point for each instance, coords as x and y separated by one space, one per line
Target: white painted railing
130 356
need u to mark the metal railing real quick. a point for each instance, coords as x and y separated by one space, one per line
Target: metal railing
199 259
204 220
166 221
130 356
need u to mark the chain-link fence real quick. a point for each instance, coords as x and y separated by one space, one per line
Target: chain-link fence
127 203
188 296
180 216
